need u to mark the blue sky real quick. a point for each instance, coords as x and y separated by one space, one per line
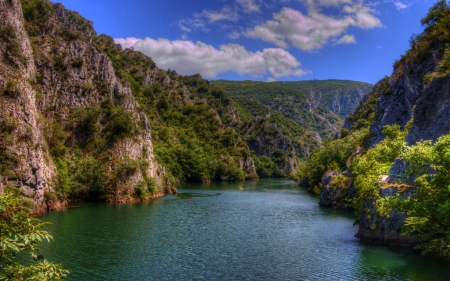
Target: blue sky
285 40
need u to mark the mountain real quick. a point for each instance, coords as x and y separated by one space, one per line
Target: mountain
340 96
81 118
393 160
293 104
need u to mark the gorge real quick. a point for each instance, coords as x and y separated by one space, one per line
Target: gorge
85 120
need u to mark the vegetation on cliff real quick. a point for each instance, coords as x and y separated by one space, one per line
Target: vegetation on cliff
191 120
392 176
301 107
340 96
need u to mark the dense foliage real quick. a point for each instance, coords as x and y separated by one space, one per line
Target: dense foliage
19 233
252 112
190 119
332 155
423 192
293 104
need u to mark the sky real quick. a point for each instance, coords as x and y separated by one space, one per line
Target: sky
265 40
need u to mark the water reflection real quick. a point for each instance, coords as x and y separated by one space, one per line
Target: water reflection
271 230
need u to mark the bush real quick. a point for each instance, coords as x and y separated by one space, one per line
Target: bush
11 89
77 62
13 51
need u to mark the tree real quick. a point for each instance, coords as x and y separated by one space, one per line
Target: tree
428 209
436 13
19 232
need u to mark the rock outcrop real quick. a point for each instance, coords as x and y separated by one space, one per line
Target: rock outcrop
336 192
406 99
382 230
50 77
23 149
77 123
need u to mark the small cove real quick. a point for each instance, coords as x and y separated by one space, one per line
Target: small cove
271 230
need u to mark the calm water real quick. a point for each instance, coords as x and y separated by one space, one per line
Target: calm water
272 230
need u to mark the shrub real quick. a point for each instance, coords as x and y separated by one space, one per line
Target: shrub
11 89
77 62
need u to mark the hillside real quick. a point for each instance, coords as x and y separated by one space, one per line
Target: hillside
393 159
81 118
293 104
340 96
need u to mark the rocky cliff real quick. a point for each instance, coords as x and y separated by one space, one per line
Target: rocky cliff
77 123
53 79
416 97
269 140
340 96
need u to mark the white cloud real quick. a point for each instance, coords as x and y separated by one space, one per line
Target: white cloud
226 13
346 39
187 58
271 79
199 21
312 31
400 5
189 24
249 6
234 34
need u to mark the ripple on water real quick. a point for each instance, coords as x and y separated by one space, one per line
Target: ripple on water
269 231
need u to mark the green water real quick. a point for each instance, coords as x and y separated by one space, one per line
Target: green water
271 230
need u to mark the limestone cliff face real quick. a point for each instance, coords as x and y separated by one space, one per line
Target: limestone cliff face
22 146
74 75
76 122
45 80
417 97
345 103
407 98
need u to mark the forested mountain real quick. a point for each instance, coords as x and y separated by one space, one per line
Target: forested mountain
304 109
340 96
81 118
307 111
392 161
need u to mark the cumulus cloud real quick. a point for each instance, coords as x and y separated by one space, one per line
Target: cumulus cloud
346 39
312 31
187 58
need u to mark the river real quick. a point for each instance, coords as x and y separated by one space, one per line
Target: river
270 230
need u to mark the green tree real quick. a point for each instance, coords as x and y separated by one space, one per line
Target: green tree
429 207
21 233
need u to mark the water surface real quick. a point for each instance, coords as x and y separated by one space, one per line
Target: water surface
271 230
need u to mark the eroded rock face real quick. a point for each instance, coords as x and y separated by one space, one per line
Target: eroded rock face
23 143
407 98
46 83
270 140
335 196
376 229
432 112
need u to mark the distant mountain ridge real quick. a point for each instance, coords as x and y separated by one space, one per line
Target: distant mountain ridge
317 106
340 96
